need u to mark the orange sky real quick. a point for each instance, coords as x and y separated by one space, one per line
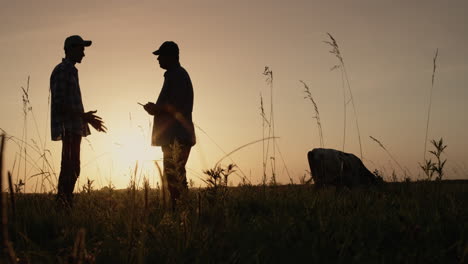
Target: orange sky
387 47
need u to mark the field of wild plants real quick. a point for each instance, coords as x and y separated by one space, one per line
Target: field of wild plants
417 222
424 221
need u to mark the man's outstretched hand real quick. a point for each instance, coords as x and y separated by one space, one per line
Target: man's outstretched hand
95 121
150 108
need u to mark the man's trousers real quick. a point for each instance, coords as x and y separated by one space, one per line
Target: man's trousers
70 167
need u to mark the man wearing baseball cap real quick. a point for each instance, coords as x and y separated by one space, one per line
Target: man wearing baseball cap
173 128
69 121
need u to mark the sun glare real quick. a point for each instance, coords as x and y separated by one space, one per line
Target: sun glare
131 150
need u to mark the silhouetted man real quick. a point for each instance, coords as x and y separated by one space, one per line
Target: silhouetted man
173 127
69 122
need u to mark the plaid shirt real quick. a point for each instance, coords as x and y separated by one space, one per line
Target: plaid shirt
66 105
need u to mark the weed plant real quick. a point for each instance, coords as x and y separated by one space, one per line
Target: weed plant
432 168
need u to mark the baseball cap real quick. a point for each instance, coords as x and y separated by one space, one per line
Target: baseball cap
75 40
167 48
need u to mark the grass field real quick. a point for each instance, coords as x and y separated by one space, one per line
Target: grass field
417 222
400 222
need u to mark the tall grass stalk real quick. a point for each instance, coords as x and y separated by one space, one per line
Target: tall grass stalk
33 157
146 189
344 108
336 51
6 246
434 67
344 102
271 127
47 171
317 114
24 138
264 122
271 138
284 163
3 211
243 176
42 143
12 196
164 186
390 155
26 160
241 147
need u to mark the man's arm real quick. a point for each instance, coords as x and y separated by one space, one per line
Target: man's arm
176 96
162 103
60 85
155 109
94 120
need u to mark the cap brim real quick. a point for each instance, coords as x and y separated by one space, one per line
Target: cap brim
156 52
87 43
